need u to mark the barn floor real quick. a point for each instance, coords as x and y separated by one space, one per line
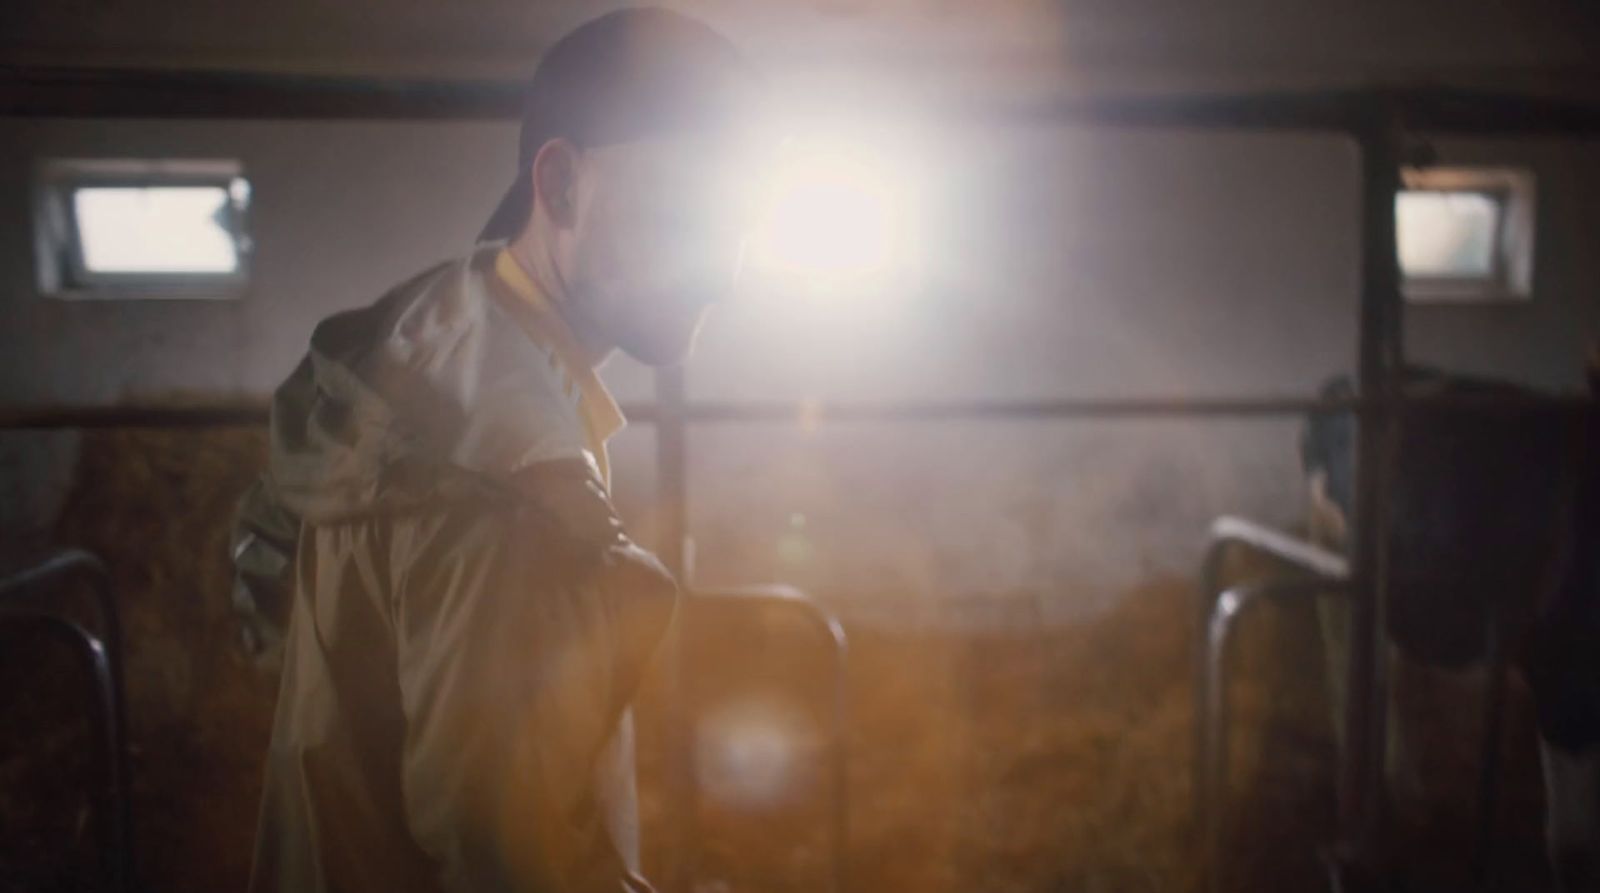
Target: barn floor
982 763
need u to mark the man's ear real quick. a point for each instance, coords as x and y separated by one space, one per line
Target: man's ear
555 177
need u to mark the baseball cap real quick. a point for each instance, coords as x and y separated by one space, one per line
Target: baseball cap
632 74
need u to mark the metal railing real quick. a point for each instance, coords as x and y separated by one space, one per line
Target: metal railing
24 600
830 632
1318 572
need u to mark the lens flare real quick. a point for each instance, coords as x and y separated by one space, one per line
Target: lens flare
748 752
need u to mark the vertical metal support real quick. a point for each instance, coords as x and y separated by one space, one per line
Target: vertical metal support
1213 721
1361 778
1217 610
1489 756
672 485
1210 589
103 659
841 756
1213 724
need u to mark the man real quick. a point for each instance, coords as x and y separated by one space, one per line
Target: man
469 620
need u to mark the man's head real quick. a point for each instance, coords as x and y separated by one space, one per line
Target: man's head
627 200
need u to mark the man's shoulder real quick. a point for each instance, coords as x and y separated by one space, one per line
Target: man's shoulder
449 340
438 344
442 301
446 324
349 335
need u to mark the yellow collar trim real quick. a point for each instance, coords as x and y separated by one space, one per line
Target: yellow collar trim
545 325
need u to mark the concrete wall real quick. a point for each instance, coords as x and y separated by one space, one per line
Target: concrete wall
1097 265
339 212
1058 264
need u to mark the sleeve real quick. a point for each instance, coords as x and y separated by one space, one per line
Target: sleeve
520 638
262 547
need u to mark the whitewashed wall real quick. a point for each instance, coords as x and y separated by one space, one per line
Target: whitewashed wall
1059 264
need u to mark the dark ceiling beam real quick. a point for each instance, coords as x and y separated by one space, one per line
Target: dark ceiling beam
1425 110
45 92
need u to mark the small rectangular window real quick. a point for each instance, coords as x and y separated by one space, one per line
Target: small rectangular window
1465 234
142 229
1447 234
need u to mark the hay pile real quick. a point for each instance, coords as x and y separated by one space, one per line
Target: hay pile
981 763
156 506
1054 762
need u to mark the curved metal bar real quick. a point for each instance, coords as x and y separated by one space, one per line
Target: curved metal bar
1227 532
111 828
59 568
1212 758
1309 557
827 624
1216 610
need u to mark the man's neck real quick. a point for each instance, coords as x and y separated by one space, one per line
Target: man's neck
541 269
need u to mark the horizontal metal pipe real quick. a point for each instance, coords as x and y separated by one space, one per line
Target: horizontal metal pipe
809 412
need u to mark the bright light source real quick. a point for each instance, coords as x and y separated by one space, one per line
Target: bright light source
156 229
838 219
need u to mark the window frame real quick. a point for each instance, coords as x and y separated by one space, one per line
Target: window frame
1510 276
62 270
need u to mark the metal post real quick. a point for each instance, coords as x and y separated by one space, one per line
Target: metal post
1361 778
672 476
841 757
1329 573
1489 754
1213 721
103 659
90 652
1227 533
